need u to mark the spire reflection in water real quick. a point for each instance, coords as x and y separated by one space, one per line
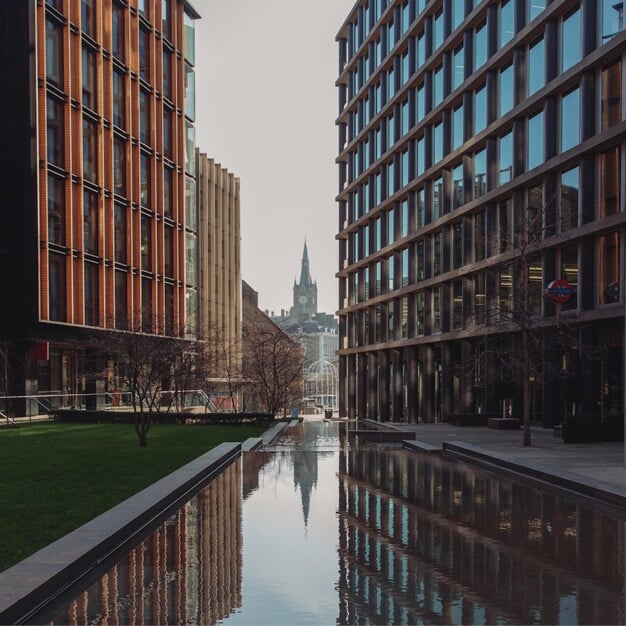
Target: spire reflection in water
320 533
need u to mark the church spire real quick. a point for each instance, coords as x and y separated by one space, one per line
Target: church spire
305 274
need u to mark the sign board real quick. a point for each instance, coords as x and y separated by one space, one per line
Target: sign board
560 290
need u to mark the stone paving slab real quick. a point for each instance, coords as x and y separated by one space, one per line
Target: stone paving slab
596 466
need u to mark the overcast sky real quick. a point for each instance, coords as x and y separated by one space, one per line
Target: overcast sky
266 105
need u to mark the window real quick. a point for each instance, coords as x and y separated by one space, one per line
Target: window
118 32
535 212
168 192
610 275
569 271
570 120
420 99
535 141
480 109
120 233
89 77
191 255
147 306
438 29
144 8
90 222
167 74
535 7
610 182
436 294
457 304
480 236
458 197
535 67
420 202
56 210
54 132
458 13
505 294
535 285
54 53
87 17
404 269
190 92
167 132
437 199
420 156
119 166
420 313
144 195
56 287
457 245
480 46
438 87
505 154
391 229
144 55
611 95
459 67
436 240
190 148
144 117
404 218
480 299
420 259
119 99
168 245
146 243
570 189
506 22
506 88
457 127
191 215
189 38
91 293
166 19
90 164
571 41
438 141
612 19
121 314
505 225
480 173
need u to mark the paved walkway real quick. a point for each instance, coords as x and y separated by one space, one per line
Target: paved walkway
592 469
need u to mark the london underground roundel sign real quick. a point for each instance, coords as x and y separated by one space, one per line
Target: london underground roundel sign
560 290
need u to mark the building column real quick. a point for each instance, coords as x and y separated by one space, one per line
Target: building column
412 409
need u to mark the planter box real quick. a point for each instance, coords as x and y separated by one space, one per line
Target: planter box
581 429
468 419
504 423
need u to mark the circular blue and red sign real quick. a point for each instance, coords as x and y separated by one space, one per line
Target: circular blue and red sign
560 290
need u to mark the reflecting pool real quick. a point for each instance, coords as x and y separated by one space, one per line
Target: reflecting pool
315 532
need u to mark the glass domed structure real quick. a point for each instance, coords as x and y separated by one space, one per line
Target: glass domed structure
321 381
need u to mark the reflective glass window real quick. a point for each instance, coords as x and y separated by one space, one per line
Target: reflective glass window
611 95
506 22
570 192
505 155
458 196
55 135
480 173
570 120
90 222
480 46
90 160
480 109
54 53
612 19
459 67
506 89
535 67
610 169
571 43
56 210
458 116
120 233
535 141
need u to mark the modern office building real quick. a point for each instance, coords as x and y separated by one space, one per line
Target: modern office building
219 279
480 143
98 171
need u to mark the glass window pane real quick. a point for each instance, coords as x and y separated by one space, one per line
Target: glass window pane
570 188
535 67
507 21
480 46
506 89
505 153
612 19
56 210
610 182
535 141
571 44
480 109
611 94
570 120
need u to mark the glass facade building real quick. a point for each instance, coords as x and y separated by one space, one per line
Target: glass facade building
476 138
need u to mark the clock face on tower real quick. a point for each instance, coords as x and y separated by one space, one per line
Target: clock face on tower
302 299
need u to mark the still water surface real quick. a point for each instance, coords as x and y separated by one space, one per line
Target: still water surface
315 532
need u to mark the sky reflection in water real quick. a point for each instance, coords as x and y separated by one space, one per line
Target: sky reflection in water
310 533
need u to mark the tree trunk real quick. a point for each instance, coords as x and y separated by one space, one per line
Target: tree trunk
525 387
143 439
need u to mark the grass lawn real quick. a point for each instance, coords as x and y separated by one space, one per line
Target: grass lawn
55 477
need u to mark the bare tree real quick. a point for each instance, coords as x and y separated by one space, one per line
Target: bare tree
273 365
513 349
147 365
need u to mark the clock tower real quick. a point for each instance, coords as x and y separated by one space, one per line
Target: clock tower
304 292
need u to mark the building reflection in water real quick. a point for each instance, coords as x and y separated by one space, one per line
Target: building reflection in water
424 540
187 571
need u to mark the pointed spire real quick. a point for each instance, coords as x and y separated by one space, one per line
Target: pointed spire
305 275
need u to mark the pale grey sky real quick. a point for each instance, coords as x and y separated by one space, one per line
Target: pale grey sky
266 105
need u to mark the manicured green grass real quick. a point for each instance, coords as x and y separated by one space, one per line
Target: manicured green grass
55 477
